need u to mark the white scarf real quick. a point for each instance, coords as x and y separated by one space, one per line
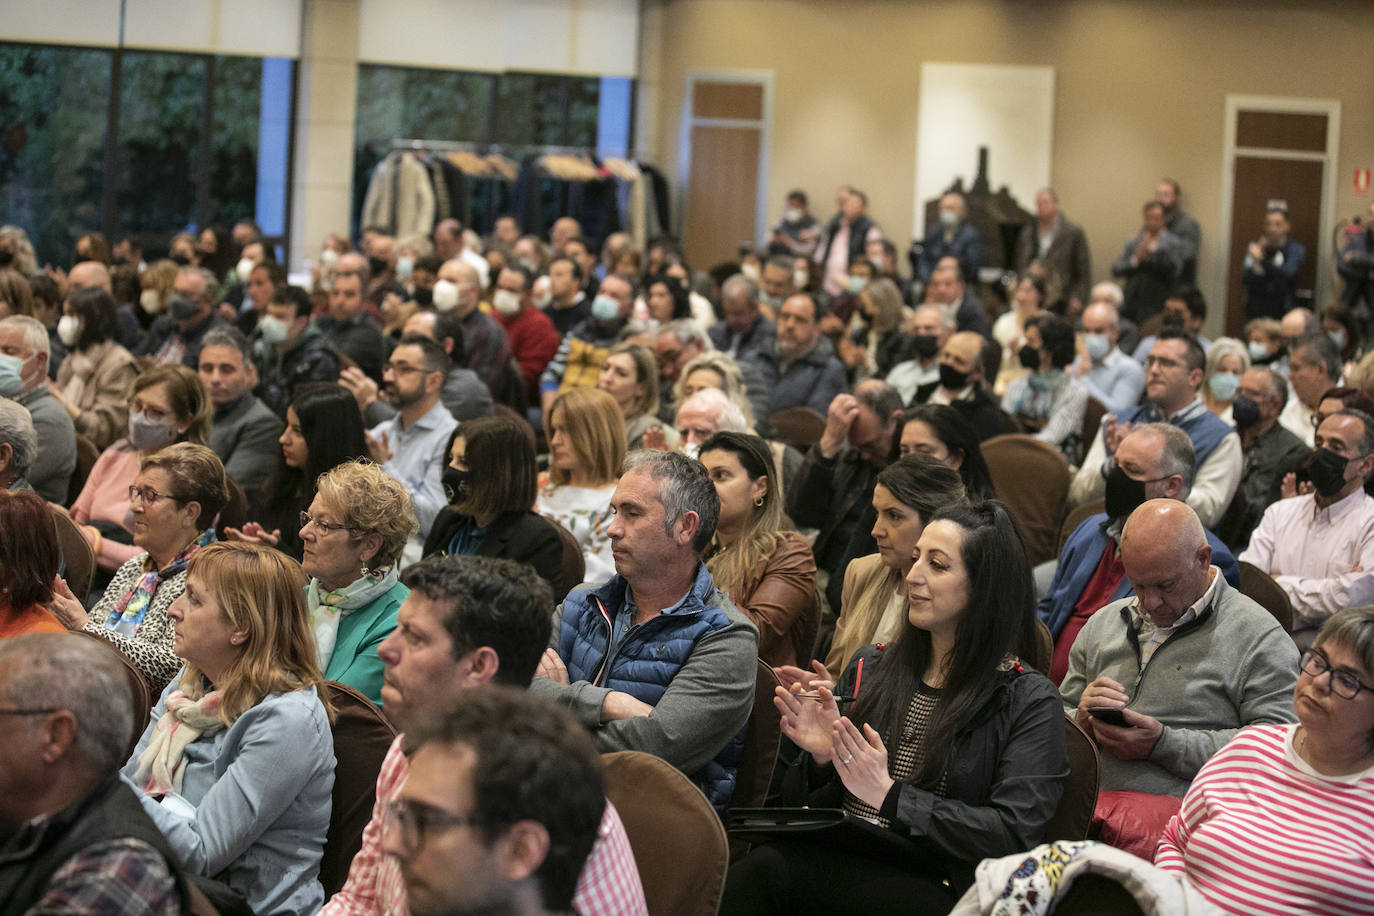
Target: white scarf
328 608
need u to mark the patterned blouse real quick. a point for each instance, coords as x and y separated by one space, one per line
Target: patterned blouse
151 647
911 753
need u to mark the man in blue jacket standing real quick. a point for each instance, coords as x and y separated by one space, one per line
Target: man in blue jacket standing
657 659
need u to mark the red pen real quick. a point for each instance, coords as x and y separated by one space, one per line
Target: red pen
858 676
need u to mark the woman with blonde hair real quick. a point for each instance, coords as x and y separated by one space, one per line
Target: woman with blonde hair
629 373
237 765
14 242
757 557
586 433
875 333
156 284
354 533
714 369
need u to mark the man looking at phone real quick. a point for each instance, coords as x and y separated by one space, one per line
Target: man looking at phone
1187 661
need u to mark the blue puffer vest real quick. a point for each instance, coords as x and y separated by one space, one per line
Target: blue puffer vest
649 657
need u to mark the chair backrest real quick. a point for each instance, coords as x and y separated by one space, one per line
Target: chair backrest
76 554
1075 812
1032 478
1259 587
1076 517
235 511
362 736
1044 647
574 563
1093 412
86 457
138 687
799 427
761 740
678 840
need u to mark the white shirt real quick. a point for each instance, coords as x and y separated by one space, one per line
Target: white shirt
1297 418
1323 558
908 376
480 264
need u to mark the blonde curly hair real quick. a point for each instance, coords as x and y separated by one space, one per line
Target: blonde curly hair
370 501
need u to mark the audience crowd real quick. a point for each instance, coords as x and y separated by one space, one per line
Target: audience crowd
540 500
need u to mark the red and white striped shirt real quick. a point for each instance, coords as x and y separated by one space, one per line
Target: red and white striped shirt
1260 831
609 882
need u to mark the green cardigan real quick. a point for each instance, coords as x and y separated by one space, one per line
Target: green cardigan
355 660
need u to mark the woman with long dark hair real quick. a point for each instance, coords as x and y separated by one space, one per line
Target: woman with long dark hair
952 752
939 431
323 430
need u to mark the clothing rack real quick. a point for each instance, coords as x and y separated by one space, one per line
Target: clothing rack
510 149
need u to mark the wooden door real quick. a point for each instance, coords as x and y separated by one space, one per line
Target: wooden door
726 125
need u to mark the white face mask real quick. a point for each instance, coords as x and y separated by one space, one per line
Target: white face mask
751 271
328 258
69 329
800 278
445 295
272 330
244 268
793 214
150 301
505 302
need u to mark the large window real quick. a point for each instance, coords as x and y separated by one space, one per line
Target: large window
142 142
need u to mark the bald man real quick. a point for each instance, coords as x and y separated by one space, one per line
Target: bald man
1108 374
1182 665
962 385
485 342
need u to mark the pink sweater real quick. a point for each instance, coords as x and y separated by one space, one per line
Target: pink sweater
105 497
1260 831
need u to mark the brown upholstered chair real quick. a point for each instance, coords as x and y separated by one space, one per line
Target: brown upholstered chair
1076 517
138 688
1032 478
1044 648
76 553
1075 812
86 457
362 736
799 427
677 838
574 563
1093 412
761 740
1260 587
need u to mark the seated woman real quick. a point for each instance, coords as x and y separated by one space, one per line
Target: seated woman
1226 362
237 765
875 334
907 494
491 484
952 744
94 378
29 558
665 300
1049 402
939 431
354 533
168 404
629 374
757 558
586 434
1009 330
714 369
174 500
323 430
1307 790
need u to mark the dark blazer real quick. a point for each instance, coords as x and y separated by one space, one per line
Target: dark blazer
1068 263
521 535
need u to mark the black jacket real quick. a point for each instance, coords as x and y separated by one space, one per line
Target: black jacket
164 327
521 535
836 496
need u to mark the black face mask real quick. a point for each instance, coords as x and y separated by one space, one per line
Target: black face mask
424 297
180 259
1244 411
183 308
1123 493
455 484
925 345
376 265
951 378
1029 357
1327 470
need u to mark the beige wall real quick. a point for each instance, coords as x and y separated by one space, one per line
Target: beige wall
1140 92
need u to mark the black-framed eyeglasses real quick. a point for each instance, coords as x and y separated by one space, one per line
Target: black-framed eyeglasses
413 822
403 369
326 527
147 495
41 711
1343 684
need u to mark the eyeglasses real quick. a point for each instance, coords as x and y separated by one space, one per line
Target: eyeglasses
415 821
1343 684
326 527
147 496
402 369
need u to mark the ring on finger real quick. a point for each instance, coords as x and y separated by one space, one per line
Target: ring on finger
848 760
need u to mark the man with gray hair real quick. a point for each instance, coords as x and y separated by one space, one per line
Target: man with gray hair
1153 461
18 445
917 373
1314 367
24 359
81 842
744 329
657 659
245 430
176 336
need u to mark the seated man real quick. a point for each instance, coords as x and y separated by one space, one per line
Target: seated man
800 367
176 336
26 340
962 385
487 349
948 290
533 340
245 431
657 659
1314 367
1109 375
80 840
289 350
1153 461
744 330
1173 377
917 371
577 364
348 326
1320 547
18 446
469 621
524 779
1188 661
1270 449
709 411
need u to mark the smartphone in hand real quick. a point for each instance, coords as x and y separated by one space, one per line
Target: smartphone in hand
1110 715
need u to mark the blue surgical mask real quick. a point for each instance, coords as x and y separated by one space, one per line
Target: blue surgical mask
1098 345
856 285
1337 337
1223 385
604 308
1258 351
11 375
404 268
948 218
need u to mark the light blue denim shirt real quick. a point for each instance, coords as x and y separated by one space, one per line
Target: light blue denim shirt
418 456
261 793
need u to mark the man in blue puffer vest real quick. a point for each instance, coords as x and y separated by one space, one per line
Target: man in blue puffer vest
657 659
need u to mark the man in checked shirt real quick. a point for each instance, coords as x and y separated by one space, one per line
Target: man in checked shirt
469 621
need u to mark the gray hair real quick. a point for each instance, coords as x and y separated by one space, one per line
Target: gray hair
1223 347
683 486
729 418
1112 290
227 336
35 335
946 318
16 431
1278 387
1367 439
207 276
687 331
76 673
1319 348
1178 456
879 397
741 286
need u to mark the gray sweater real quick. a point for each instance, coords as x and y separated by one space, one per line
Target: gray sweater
51 474
1231 667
